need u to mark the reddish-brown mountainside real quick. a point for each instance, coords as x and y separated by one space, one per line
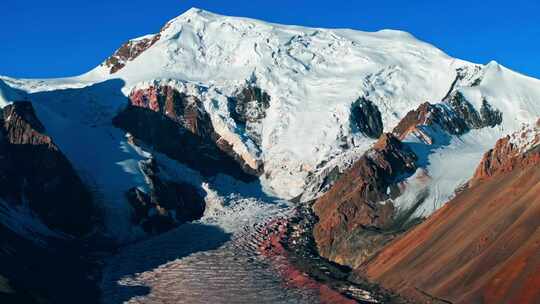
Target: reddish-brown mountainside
481 247
352 208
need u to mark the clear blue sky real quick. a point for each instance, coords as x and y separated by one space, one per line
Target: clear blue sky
48 38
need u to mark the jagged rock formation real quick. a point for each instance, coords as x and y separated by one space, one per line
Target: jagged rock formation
35 174
516 151
481 247
248 108
454 117
177 125
488 116
367 118
354 206
168 204
431 115
348 231
129 51
179 107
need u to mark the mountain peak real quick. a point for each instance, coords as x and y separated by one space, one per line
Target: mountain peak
195 11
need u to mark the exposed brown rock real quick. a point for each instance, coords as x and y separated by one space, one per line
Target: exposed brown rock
430 115
129 51
178 126
183 109
481 247
353 205
34 172
505 157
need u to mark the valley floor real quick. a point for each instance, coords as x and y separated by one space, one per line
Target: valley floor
223 258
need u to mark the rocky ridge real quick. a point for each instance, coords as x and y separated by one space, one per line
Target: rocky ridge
168 205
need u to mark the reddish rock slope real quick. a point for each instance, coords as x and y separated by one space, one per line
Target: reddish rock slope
481 247
352 208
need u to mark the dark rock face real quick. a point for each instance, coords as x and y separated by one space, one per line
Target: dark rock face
438 115
129 51
352 206
367 118
250 105
465 77
487 117
248 108
57 273
490 117
465 110
34 172
178 126
455 117
185 110
169 203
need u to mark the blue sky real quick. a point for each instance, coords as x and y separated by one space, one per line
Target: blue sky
62 38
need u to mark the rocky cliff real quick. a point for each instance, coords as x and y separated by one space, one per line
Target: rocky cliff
177 125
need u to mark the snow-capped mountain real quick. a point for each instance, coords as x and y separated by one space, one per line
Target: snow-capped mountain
316 82
230 122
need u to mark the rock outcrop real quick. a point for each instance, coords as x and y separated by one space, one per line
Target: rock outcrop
482 246
487 116
129 51
168 204
355 206
248 109
456 116
35 174
177 125
430 115
367 118
516 151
